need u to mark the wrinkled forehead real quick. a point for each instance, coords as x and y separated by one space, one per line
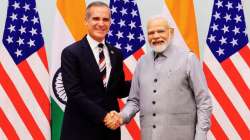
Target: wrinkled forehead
96 10
158 22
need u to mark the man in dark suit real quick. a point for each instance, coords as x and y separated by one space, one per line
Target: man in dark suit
93 78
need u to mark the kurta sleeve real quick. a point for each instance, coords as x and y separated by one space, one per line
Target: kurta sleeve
133 102
203 101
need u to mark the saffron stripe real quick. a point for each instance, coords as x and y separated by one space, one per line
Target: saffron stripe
237 80
36 88
7 128
228 108
73 13
183 14
20 106
132 127
42 54
217 130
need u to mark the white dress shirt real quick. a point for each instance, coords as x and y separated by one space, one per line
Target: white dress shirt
94 47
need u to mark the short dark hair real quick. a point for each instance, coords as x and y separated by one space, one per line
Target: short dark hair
95 3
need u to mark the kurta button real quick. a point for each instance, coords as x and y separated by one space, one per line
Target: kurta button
154 114
154 91
153 102
155 80
154 126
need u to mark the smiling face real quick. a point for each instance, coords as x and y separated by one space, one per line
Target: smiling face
159 33
98 22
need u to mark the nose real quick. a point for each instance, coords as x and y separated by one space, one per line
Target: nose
101 22
156 35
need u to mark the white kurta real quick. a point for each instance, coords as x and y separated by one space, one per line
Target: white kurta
172 96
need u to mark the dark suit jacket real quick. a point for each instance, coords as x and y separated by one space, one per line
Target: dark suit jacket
88 100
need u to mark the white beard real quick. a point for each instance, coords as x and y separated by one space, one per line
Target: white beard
161 48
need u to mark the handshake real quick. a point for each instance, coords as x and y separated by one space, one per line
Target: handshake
113 120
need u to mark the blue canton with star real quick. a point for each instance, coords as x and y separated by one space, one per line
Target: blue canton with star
227 32
126 31
22 34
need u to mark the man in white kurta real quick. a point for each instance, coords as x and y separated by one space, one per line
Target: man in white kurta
169 89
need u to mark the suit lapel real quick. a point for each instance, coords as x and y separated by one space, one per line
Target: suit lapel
112 56
92 64
90 60
113 62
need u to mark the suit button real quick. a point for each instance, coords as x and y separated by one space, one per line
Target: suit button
154 126
154 91
155 80
154 114
153 102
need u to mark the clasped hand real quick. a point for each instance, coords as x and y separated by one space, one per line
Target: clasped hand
113 120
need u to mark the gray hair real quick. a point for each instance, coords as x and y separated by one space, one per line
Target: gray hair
97 4
160 17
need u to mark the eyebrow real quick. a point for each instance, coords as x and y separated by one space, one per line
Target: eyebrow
105 18
158 31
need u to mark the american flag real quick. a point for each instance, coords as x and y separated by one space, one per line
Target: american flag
226 66
25 105
127 35
126 30
227 33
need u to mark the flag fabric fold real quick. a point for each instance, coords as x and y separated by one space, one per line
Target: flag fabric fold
68 27
24 75
224 63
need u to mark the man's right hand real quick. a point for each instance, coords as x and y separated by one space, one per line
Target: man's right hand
113 120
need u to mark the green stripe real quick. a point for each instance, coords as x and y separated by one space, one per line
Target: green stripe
56 120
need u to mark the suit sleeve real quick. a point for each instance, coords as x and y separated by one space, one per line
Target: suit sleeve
202 98
71 81
124 86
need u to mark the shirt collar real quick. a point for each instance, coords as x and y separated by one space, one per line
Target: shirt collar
93 43
165 53
162 54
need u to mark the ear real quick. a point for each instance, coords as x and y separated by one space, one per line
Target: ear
171 31
86 22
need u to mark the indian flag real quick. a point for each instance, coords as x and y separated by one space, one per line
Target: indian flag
69 27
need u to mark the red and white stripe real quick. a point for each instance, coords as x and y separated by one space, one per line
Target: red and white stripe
25 90
131 61
2 134
221 118
132 130
12 120
229 86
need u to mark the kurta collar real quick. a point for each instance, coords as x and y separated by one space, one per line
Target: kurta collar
164 54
